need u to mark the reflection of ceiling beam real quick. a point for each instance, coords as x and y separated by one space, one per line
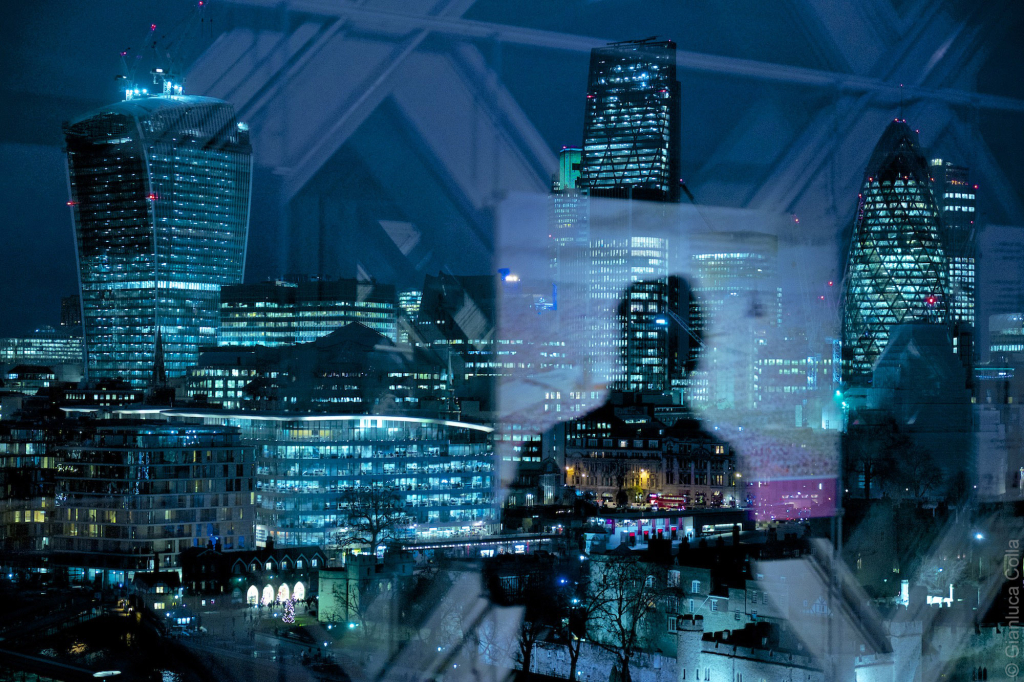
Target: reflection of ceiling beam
929 47
363 103
370 19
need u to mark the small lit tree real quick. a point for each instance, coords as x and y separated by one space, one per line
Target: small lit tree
289 611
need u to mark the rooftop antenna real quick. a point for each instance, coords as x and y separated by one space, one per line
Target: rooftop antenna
901 102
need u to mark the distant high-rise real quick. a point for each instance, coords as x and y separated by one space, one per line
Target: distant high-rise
569 207
732 269
71 311
160 191
288 312
955 197
897 269
632 121
645 335
408 312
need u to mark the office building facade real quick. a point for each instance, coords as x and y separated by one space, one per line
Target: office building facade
442 472
897 269
352 369
631 127
956 198
71 311
160 191
45 346
735 283
283 313
132 495
28 469
628 276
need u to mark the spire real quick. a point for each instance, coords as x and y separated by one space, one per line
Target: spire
159 373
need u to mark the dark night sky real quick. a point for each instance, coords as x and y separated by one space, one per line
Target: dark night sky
59 60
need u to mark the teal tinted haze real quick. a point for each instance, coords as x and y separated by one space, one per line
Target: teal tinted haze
378 150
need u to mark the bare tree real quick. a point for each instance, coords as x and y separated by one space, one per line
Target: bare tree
375 515
578 605
872 452
630 592
520 582
913 474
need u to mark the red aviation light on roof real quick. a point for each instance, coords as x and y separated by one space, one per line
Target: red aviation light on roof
151 197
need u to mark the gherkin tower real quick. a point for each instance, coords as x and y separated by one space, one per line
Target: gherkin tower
897 270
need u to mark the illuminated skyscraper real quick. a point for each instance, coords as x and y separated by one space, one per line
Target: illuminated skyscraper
955 197
569 207
569 238
160 190
631 124
645 339
735 283
897 269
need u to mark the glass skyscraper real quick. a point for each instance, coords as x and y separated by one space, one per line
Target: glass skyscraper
160 189
632 121
730 269
643 334
897 269
955 197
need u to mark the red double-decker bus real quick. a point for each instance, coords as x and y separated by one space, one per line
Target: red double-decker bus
659 501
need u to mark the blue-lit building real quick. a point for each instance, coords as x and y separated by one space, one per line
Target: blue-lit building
441 471
631 125
132 494
897 270
44 346
955 196
735 281
282 313
160 188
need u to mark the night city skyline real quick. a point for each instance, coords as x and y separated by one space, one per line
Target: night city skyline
445 340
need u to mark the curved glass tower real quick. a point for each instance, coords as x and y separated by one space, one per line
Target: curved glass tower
160 188
897 270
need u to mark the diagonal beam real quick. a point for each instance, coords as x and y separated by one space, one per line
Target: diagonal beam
361 102
829 130
388 21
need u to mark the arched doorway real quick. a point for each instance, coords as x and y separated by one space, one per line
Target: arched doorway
283 592
268 595
299 592
252 595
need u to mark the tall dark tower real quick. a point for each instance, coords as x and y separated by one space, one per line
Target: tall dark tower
897 269
955 197
631 125
160 189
